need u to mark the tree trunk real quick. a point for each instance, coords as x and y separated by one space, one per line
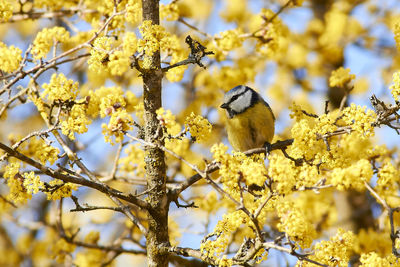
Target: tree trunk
155 164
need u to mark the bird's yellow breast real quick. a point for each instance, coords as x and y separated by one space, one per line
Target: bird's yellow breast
252 128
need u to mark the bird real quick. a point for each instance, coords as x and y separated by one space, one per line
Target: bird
250 120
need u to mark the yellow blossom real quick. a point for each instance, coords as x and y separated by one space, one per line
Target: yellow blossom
17 192
32 183
118 63
154 38
92 237
370 240
59 189
335 252
178 54
229 223
225 261
76 121
90 257
38 149
397 35
6 10
129 43
395 88
105 101
45 39
294 223
352 177
229 40
60 88
235 11
10 57
120 122
61 249
360 120
271 35
210 202
54 4
199 127
167 119
133 163
335 26
134 11
372 259
297 56
341 77
11 170
250 170
40 105
152 34
386 185
169 12
99 54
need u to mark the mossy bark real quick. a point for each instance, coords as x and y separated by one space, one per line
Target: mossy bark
155 163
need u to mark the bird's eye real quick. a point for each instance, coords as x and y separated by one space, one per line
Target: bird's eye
234 98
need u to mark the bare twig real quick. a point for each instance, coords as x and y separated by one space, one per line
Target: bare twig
197 52
394 235
21 16
72 179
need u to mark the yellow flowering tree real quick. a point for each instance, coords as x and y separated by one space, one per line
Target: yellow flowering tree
112 141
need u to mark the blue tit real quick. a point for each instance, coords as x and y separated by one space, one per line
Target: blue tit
250 121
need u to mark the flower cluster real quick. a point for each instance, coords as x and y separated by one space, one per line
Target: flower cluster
17 192
169 12
37 148
294 222
229 40
386 185
369 240
341 77
168 120
229 224
360 120
133 11
111 101
32 183
287 176
154 38
10 57
133 162
395 88
120 122
271 34
54 4
60 88
6 10
373 259
353 176
76 121
106 55
309 133
45 40
60 189
336 251
178 145
99 54
60 249
397 35
239 168
199 127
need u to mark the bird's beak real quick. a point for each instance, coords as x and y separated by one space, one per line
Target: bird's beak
224 105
